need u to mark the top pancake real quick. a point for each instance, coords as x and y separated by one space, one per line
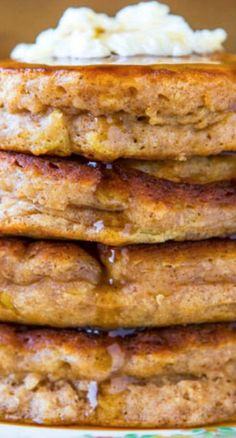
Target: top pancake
153 111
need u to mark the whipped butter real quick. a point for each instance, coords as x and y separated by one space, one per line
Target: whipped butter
143 29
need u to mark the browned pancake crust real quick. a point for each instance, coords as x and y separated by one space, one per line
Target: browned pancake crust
64 285
111 205
142 354
109 111
66 377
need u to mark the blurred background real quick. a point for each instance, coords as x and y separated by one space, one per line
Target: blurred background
22 20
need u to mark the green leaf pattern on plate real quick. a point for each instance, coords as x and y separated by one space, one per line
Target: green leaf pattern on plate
217 432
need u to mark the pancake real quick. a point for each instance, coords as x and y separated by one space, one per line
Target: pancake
68 377
66 285
113 205
155 111
196 170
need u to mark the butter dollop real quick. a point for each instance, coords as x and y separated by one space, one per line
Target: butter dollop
142 29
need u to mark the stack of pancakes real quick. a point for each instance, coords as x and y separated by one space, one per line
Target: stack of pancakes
123 221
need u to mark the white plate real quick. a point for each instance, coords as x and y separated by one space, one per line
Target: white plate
21 431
